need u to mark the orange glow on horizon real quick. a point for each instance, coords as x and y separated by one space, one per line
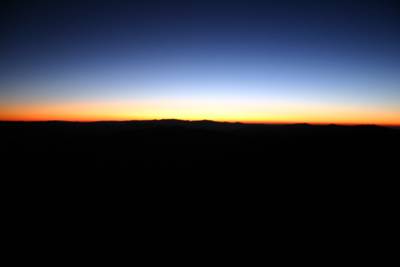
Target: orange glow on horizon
228 111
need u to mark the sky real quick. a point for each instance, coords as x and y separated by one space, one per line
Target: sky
249 61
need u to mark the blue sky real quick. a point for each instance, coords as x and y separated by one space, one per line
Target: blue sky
340 53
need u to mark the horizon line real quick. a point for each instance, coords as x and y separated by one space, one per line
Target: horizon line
208 120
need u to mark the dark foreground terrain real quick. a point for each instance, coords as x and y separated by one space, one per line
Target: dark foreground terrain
182 156
204 178
199 147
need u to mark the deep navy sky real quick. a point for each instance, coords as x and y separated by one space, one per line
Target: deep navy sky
334 52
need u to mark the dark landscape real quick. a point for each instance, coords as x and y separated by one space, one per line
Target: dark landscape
300 178
195 147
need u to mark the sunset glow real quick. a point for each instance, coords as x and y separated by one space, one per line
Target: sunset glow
245 61
195 110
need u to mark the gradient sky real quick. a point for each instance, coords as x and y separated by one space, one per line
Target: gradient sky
252 61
